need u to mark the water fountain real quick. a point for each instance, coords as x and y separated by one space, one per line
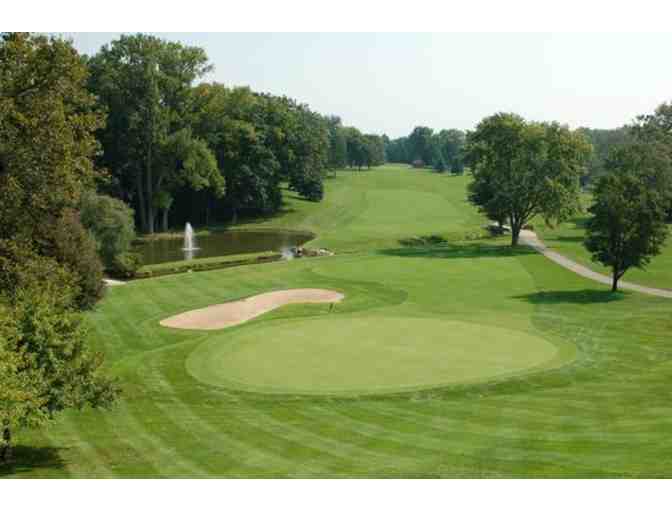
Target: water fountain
287 253
189 242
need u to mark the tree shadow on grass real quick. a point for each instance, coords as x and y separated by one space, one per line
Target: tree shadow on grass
459 251
304 199
586 296
252 220
579 221
25 459
570 239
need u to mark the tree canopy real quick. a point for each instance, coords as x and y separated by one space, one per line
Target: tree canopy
420 144
443 150
111 223
49 267
47 124
523 169
656 128
162 125
627 224
603 141
338 145
146 85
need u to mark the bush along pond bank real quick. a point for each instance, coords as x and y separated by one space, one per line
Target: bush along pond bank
226 261
206 264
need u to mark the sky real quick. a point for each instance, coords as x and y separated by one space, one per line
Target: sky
390 83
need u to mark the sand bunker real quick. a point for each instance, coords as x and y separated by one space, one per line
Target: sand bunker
237 312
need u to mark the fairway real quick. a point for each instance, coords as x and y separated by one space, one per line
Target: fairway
301 256
461 359
336 356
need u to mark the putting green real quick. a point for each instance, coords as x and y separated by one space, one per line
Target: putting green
368 355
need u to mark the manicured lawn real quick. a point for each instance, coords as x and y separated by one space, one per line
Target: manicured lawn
567 238
373 209
348 355
572 381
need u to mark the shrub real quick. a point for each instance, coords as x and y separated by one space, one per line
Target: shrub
76 248
430 240
111 223
186 266
457 169
440 165
126 265
496 230
313 190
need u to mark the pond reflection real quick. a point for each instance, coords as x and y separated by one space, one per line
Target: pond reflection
221 243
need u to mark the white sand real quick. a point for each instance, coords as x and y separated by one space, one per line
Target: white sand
237 312
112 283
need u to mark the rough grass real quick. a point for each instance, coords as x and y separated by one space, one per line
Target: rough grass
606 414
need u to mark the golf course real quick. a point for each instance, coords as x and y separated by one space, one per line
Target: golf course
450 354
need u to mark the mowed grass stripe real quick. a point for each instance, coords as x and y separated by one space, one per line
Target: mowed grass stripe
224 429
605 414
506 437
314 431
212 431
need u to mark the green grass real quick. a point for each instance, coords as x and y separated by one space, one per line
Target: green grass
373 209
568 237
601 408
356 355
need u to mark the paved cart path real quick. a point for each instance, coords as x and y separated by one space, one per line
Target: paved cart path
530 239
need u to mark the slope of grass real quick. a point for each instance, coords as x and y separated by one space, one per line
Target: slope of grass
373 209
604 414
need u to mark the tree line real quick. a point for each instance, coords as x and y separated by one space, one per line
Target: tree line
208 152
603 141
443 150
349 147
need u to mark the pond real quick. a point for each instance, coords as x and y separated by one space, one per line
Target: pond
216 244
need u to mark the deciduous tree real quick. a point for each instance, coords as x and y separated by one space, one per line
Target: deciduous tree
47 124
627 227
111 223
47 364
523 169
47 120
357 151
656 128
146 85
420 144
338 148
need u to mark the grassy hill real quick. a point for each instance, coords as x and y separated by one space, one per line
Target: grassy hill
373 209
458 359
